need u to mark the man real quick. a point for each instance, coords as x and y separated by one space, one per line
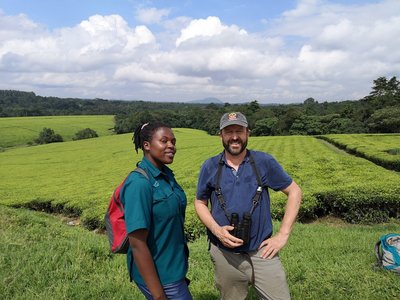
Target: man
229 181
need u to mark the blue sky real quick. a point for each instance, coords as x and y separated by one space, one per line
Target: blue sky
238 51
53 14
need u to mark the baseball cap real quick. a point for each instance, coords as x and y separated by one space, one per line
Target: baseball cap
233 118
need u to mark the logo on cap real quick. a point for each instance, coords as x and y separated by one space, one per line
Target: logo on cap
232 116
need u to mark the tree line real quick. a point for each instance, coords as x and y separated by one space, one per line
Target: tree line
377 112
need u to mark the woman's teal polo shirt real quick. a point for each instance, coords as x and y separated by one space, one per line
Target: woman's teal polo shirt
158 205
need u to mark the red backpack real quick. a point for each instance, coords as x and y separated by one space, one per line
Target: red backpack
115 219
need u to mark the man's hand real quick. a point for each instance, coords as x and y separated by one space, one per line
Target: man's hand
221 232
228 240
277 242
273 245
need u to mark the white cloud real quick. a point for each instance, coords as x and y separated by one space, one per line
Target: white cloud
151 15
209 27
93 44
344 46
323 62
318 49
136 73
304 8
17 27
75 79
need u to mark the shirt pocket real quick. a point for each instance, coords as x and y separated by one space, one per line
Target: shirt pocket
178 190
165 205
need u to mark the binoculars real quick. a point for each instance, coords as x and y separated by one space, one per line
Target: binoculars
241 229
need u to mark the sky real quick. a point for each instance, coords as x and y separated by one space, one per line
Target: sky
237 51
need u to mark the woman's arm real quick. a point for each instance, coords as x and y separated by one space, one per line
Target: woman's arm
145 263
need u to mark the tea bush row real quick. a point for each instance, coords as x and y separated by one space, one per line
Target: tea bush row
334 182
382 149
83 174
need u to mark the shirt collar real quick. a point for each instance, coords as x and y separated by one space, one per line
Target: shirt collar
154 171
246 158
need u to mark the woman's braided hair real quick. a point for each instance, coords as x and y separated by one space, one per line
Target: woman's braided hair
144 133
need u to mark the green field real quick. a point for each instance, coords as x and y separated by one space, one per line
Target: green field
80 176
324 259
20 131
43 258
382 149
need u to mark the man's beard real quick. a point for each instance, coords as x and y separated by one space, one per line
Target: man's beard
235 152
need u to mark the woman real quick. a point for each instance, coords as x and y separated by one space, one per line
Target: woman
154 216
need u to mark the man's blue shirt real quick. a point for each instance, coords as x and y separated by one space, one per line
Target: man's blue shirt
238 189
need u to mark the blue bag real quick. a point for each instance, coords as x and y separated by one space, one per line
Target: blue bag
387 251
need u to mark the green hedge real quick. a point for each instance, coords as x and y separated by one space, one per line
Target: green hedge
378 148
361 205
81 176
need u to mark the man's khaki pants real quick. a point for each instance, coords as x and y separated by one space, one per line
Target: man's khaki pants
235 271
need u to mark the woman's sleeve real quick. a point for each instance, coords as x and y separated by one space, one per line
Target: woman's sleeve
138 199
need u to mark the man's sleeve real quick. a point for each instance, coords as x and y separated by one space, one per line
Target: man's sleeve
203 188
277 178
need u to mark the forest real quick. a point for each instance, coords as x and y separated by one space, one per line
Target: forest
375 113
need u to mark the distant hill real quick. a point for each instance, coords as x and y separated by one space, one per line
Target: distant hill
208 100
19 103
376 113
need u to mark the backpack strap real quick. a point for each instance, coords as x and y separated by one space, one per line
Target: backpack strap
218 190
138 170
141 171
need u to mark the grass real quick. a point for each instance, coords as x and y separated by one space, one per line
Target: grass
331 261
43 258
22 130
